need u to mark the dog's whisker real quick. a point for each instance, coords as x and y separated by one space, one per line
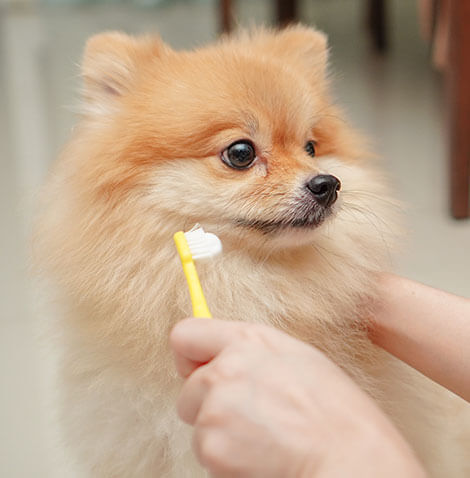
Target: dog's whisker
370 195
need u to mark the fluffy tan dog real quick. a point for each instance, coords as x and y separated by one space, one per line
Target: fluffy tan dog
243 138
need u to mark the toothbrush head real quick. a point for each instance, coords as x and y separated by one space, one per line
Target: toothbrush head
203 245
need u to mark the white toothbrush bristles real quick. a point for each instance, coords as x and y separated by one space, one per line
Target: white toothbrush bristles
203 245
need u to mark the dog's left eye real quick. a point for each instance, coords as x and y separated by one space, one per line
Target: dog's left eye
239 155
310 148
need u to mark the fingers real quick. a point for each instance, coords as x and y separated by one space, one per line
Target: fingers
197 341
192 395
184 366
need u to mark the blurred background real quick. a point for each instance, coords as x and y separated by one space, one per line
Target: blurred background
383 62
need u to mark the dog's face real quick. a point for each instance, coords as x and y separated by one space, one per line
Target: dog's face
240 137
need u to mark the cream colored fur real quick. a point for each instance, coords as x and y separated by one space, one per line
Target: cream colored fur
123 187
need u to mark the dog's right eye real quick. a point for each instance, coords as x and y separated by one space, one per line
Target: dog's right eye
239 155
310 148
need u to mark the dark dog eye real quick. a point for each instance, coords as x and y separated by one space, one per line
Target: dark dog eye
310 148
239 155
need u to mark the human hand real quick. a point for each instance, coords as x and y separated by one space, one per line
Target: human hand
264 404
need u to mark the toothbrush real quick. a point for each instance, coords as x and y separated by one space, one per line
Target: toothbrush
194 245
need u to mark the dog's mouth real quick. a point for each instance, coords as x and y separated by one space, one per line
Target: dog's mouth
309 221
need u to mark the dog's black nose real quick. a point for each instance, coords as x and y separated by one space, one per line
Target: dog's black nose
324 188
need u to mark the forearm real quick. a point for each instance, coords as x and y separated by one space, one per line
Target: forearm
427 328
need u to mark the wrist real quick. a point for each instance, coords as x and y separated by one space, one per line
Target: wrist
378 449
388 453
374 448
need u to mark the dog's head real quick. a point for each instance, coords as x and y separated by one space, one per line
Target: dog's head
241 137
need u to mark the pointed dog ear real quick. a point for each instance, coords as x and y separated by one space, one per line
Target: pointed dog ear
297 45
111 62
307 45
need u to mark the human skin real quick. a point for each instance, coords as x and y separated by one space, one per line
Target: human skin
427 328
265 404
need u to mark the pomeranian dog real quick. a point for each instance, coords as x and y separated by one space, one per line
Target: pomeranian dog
243 138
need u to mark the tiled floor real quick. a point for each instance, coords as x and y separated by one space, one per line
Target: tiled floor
396 100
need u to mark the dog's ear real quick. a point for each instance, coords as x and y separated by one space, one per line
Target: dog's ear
296 45
111 62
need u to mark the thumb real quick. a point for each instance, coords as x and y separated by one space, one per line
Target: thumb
198 341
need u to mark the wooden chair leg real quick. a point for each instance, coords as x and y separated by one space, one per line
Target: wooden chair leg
459 104
286 11
377 24
226 16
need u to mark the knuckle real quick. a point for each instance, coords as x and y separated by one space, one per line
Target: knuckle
256 333
209 448
228 367
209 376
214 413
202 377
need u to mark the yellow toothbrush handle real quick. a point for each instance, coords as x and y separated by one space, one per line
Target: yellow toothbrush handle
198 300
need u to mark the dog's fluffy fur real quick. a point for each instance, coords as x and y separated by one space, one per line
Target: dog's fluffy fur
143 163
